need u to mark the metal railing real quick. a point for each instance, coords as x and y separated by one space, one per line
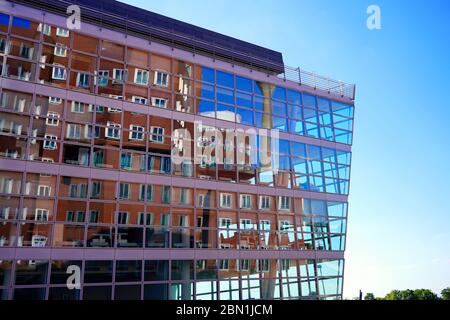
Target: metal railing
316 81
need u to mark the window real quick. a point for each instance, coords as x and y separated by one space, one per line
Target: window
243 264
283 203
60 50
224 223
136 133
201 201
165 219
61 32
43 191
6 185
126 160
161 79
182 221
112 130
41 214
70 216
50 142
157 134
145 219
165 196
146 193
141 76
284 225
263 265
124 191
102 80
224 264
264 225
52 119
4 214
45 29
25 51
93 216
159 102
96 189
2 45
118 75
54 100
264 202
245 201
77 107
246 224
73 131
82 80
19 104
122 217
59 73
225 200
140 100
184 196
78 191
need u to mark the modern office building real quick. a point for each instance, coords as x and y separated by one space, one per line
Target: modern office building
89 121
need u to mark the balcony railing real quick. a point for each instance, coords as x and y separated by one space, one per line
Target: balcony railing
318 82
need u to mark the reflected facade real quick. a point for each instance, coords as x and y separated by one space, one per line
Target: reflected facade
87 129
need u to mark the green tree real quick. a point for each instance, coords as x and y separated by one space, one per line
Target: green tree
393 295
445 293
408 295
425 294
369 296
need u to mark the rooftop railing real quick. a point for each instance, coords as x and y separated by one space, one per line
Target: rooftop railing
316 81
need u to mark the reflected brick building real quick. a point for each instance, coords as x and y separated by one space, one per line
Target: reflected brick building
88 121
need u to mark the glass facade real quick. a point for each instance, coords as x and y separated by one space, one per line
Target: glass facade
97 133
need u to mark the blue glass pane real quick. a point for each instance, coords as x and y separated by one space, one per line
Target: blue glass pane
284 146
342 109
294 97
316 184
225 95
328 154
224 79
295 112
4 19
206 91
244 100
331 185
257 87
206 108
279 123
311 130
314 152
258 119
244 116
296 126
325 118
259 103
298 149
279 93
326 133
310 115
299 165
243 84
309 100
225 112
207 74
343 136
342 123
279 108
21 23
323 104
343 157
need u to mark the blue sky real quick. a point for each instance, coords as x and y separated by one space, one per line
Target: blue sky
398 232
